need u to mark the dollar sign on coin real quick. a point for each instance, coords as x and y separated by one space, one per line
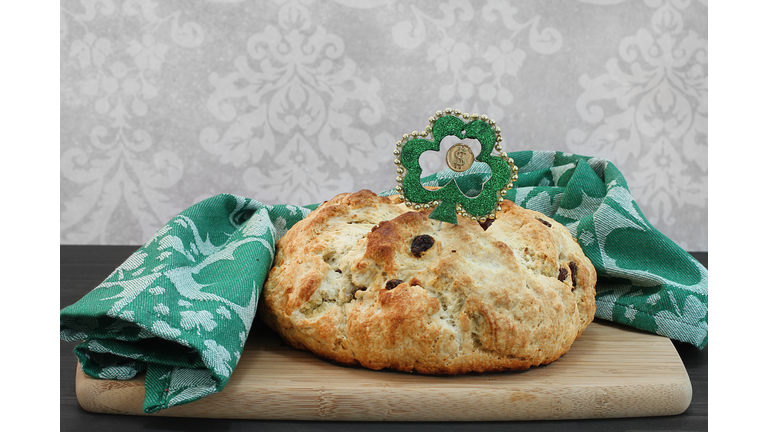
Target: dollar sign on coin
459 157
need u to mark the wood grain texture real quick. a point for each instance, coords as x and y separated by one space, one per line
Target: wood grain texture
611 371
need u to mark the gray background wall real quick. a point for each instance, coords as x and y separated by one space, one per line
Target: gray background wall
293 101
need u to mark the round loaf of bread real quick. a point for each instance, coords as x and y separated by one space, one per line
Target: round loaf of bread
366 280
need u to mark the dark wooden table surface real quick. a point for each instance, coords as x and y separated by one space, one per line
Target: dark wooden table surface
84 267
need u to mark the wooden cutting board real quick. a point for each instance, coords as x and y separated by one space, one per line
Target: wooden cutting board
610 371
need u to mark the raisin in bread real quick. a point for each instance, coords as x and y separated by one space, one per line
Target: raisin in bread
366 280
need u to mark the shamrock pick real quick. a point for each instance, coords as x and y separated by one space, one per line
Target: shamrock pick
449 200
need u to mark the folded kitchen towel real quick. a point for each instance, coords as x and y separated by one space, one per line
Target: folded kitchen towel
180 308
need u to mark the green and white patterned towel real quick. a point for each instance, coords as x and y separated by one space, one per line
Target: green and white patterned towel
180 308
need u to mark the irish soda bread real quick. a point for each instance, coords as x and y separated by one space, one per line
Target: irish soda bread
366 280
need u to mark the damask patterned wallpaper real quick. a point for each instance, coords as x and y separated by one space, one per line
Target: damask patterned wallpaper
165 103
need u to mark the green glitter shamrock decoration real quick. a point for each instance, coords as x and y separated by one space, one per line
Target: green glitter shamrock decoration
449 200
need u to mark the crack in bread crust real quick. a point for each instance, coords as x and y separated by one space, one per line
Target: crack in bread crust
365 280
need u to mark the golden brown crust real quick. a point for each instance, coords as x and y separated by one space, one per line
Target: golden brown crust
354 283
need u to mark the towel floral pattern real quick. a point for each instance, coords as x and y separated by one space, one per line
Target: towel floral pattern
183 304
